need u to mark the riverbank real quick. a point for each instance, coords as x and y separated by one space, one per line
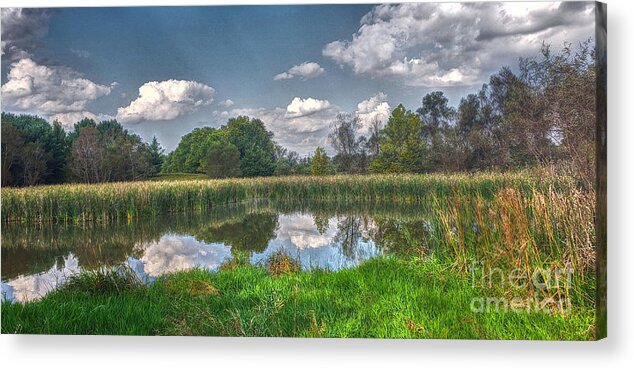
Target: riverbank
385 297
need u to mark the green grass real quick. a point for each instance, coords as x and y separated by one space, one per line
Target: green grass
510 221
384 297
178 176
136 200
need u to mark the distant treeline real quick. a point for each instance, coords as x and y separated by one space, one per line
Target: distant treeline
543 114
36 152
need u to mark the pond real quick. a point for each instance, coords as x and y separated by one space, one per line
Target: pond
36 259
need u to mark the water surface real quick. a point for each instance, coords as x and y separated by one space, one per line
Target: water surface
36 259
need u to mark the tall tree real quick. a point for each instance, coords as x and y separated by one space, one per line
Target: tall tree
402 147
437 118
349 146
87 156
319 162
156 156
257 150
223 161
12 146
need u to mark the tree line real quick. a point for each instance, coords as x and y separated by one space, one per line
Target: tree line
36 152
542 114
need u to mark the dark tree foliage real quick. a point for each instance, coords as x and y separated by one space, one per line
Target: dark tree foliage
255 143
249 136
33 151
105 151
223 161
156 156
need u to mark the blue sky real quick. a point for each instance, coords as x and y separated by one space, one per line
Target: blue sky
162 71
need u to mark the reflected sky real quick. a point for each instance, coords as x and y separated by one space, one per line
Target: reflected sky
318 240
28 288
325 248
175 252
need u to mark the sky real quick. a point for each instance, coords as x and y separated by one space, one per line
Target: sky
163 71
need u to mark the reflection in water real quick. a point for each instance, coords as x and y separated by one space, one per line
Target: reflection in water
174 253
332 244
33 287
319 237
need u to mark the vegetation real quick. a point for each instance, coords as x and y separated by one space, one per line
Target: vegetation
132 200
541 116
223 161
319 163
385 297
35 152
248 136
523 200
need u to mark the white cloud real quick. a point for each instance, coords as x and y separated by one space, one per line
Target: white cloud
300 133
444 44
166 100
46 90
302 107
304 70
376 107
68 119
227 103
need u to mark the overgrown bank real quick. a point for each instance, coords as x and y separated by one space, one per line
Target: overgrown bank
385 297
130 200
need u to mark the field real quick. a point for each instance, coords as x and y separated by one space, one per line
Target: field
481 229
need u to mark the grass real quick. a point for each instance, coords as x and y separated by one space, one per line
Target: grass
384 297
514 222
135 200
178 177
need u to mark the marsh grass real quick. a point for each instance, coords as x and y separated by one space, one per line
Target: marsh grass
105 280
134 200
280 263
514 221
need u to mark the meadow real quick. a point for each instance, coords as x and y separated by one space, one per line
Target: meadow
539 226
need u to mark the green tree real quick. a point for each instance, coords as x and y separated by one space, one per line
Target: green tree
52 150
319 162
402 147
223 161
349 146
156 156
12 146
437 118
192 153
257 150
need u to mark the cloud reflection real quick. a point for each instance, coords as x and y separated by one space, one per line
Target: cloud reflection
331 249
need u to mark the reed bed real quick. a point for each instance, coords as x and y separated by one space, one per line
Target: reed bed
515 220
134 200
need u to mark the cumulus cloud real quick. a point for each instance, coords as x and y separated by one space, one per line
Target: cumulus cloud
227 103
166 100
445 44
304 70
68 119
374 108
21 31
301 107
295 131
48 91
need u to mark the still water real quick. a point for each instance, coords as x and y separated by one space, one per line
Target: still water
36 259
